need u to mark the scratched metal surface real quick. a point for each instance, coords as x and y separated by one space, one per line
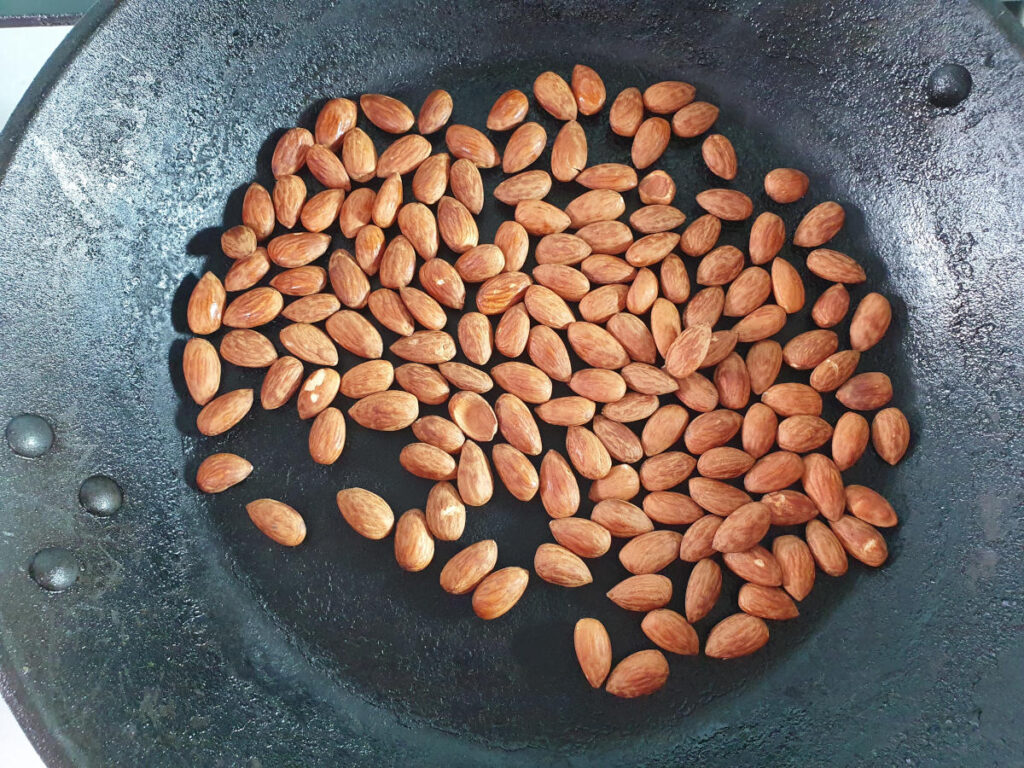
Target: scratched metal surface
191 640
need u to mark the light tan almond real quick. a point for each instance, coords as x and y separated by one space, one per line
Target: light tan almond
796 563
719 156
632 406
467 185
513 331
559 491
223 412
790 507
639 674
862 540
515 471
548 308
468 568
434 112
664 429
602 268
441 432
569 152
831 307
671 632
354 333
387 411
595 205
786 185
508 111
528 185
335 119
427 347
583 537
476 339
622 482
523 380
206 305
727 204
593 650
870 506
567 411
827 550
514 242
561 248
671 508
474 479
650 141
757 565
281 382
367 513
327 168
358 155
356 211
443 283
327 436
290 152
423 381
773 472
835 266
698 393
792 399
890 434
819 225
557 565
666 327
221 471
656 189
666 470
277 521
201 368
431 179
467 142
603 302
849 439
348 280
735 636
499 592
247 349
614 176
650 552
517 424
421 229
645 592
414 546
598 384
389 310
620 441
445 513
524 147
424 309
427 461
621 518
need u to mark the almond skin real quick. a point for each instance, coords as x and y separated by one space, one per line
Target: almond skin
786 185
508 111
796 563
760 425
627 112
517 424
622 519
499 592
642 593
702 589
434 112
639 674
367 513
201 368
223 412
870 506
861 540
650 552
569 152
671 632
726 204
515 471
827 550
696 543
281 382
593 650
467 569
865 391
438 431
819 225
773 472
870 321
278 521
719 156
445 513
206 305
558 566
831 306
583 537
767 236
327 436
220 471
559 491
890 434
427 461
414 546
387 411
849 439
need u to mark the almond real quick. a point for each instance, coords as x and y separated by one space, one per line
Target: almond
414 546
890 434
657 189
622 519
705 308
666 470
653 219
467 142
220 471
650 142
547 351
608 237
206 305
517 424
201 368
620 441
819 225
587 453
759 429
312 309
474 479
870 321
651 249
512 333
622 482
317 392
358 155
835 370
861 540
387 201
720 266
467 186
632 406
702 589
427 347
557 565
514 242
475 337
441 432
561 249
593 650
247 349
601 303
290 152
238 242
719 156
442 282
327 168
831 307
650 552
223 412
796 563
764 361
387 411
870 506
596 346
645 592
627 112
327 436
767 236
349 282
687 351
724 463
666 326
595 205
727 204
786 185
277 521
602 268
559 491
554 95
588 90
289 196
789 507
696 543
515 471
427 461
281 382
647 379
835 266
429 386
356 211
468 568
473 415
849 439
668 96
801 434
423 308
445 513
732 382
598 384
773 472
717 497
548 308
566 411
738 635
613 176
567 282
639 674
309 343
367 513
792 399
701 236
434 112
583 537
245 273
664 429
499 592
336 117
408 154
431 179
321 210
757 565
806 350
748 291
524 146
742 529
419 226
354 333
865 391
671 632
827 550
502 291
388 309
721 347
569 152
524 381
697 393
508 111
387 113
787 286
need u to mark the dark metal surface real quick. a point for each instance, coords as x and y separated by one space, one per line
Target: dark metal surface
189 639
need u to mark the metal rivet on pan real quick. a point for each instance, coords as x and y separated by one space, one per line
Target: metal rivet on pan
100 495
54 569
948 85
29 435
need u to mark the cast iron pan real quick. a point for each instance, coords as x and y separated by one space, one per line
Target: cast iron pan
190 639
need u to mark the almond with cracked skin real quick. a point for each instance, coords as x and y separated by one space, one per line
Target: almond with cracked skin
865 391
645 592
763 322
742 529
221 471
317 392
724 463
547 351
517 424
467 185
473 415
445 513
650 141
622 482
354 333
849 439
787 286
639 674
756 565
671 508
796 563
465 570
835 370
663 429
515 471
327 436
431 178
696 543
474 479
442 283
773 472
367 513
827 550
327 168
819 225
593 206
569 152
806 350
584 537
650 552
557 565
702 589
288 197
387 411
499 592
439 431
403 156
309 343
281 382
223 412
717 497
593 650
620 441
870 506
277 521
622 519
312 309
735 636
831 306
508 111
555 96
890 434
614 176
201 368
246 272
792 399
627 112
760 425
862 540
835 266
427 461
588 90
528 185
657 188
465 141
290 152
712 429
524 146
719 156
206 305
726 204
767 236
559 491
789 507
414 546
764 361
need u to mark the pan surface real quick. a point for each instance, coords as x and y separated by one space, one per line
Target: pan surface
189 639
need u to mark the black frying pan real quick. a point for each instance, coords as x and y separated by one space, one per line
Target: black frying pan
187 638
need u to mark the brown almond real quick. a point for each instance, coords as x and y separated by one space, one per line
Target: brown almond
499 592
281 382
666 326
561 249
348 280
508 111
651 249
223 412
705 308
650 552
748 291
719 156
445 513
417 223
819 225
548 308
792 399
698 393
513 331
588 90
595 205
559 491
702 589
865 391
596 346
441 432
321 210
524 146
650 142
724 463
666 470
555 96
474 479
726 204
467 142
423 308
247 349
789 507
528 185
523 380
442 282
668 96
849 439
358 155
277 521
434 112
757 565
427 347
764 361
387 411
890 434
387 113
639 674
696 542
405 155
427 461
632 406
627 112
317 392
619 440
712 429
246 272
467 186
638 342
548 352
238 242
835 370
804 433
831 307
367 513
773 472
558 566
870 321
387 201
423 381
327 168
701 235
587 453
356 211
517 424
870 506
759 430
354 333
664 429
827 550
787 286
721 266
388 309
602 268
687 351
654 219
467 568
567 282
657 188
201 368
206 305
613 176
476 339
743 528
796 563
515 471
861 540
598 384
786 185
645 378
835 266
327 436
414 546
569 152
220 471
583 537
608 238
806 350
721 347
645 592
621 518
566 411
540 218
290 152
732 382
622 482
309 343
601 303
735 636
431 179
593 650
767 236
335 119
671 632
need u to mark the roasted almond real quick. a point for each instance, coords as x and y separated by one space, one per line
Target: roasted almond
653 219
861 540
474 479
467 186
721 266
523 380
515 471
835 370
831 306
721 347
786 185
790 507
548 308
748 291
701 235
663 429
335 119
583 537
651 249
569 283
309 343
201 368
508 111
671 508
327 168
438 431
724 463
421 229
423 308
870 506
327 436
442 282
223 412
445 513
764 361
687 351
431 178
566 411
666 326
541 218
348 280
773 472
387 411
614 176
702 589
735 636
367 513
719 156
434 112
870 321
524 146
593 650
671 632
727 204
569 152
627 112
405 155
865 391
427 347
656 188
555 96
787 286
650 552
796 563
835 266
650 141
598 384
548 352
849 439
467 142
312 309
588 90
277 521
819 225
354 333
595 205
358 155
801 434
645 592
559 491
806 350
465 570
281 382
827 550
423 381
697 393
387 113
389 310
427 461
289 197
557 565
513 330
238 242
473 415
705 308
668 96
639 674
517 424
890 434
290 152
632 406
717 497
602 268
587 453
206 305
499 592
220 471
414 546
248 349
387 201
601 303
620 441
645 378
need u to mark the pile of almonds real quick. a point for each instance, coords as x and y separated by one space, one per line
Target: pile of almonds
668 393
